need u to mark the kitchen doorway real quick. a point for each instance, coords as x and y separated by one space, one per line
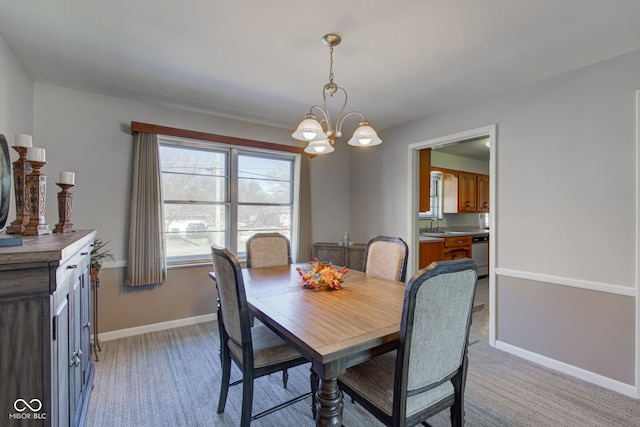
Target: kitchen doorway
449 144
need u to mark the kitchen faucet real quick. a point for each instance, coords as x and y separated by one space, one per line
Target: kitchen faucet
431 229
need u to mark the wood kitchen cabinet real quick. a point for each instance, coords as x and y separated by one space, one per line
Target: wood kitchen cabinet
430 251
351 256
464 192
45 331
425 180
457 247
482 185
467 192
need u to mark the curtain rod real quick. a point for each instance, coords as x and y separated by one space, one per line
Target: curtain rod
137 127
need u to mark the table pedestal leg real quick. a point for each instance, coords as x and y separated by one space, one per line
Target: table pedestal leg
329 403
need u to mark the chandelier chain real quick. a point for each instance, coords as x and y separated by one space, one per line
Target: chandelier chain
331 64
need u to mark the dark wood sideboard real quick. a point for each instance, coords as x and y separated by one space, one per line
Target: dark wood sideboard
46 373
351 256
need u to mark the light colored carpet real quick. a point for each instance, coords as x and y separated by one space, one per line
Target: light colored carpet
172 378
480 325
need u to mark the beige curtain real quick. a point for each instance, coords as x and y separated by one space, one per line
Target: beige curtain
303 253
146 263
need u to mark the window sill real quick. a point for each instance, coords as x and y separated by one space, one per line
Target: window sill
171 265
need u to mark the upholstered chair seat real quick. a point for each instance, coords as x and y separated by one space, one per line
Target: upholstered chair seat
268 348
374 380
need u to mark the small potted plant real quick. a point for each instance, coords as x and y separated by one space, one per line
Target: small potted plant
98 254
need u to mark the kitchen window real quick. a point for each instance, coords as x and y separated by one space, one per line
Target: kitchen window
435 197
222 195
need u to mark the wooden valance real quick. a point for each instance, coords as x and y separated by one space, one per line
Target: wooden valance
212 137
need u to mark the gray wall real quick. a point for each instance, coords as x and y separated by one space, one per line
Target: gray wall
584 328
16 101
450 161
565 205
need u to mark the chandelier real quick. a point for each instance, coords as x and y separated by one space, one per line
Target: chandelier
320 140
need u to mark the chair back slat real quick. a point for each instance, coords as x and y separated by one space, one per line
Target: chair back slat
268 250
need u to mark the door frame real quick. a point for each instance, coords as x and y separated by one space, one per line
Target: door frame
637 257
413 197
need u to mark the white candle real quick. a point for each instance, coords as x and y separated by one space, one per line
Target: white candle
23 140
67 177
36 154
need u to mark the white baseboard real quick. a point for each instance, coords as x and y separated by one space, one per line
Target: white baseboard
583 374
138 330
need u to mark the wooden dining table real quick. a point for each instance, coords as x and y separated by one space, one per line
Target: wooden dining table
333 329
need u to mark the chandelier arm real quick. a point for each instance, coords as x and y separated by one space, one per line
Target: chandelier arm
344 104
324 114
347 115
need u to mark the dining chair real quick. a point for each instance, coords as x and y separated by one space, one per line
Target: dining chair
427 373
386 257
256 351
268 250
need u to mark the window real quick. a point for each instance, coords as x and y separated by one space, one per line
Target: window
222 195
435 197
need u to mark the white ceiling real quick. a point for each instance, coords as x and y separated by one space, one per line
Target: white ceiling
263 61
475 148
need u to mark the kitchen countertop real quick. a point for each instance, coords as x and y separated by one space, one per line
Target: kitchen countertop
440 236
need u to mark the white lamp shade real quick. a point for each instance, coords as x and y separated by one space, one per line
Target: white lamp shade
309 130
319 147
364 136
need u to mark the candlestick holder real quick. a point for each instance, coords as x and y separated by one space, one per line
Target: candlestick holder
65 199
37 185
21 168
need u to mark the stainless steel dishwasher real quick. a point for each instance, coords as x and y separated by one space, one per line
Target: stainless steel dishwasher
480 253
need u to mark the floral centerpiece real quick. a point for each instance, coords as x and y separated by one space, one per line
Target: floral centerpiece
322 276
